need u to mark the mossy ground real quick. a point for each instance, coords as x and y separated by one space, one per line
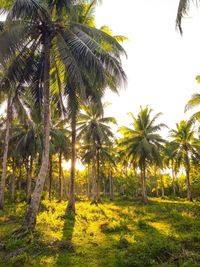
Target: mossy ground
116 234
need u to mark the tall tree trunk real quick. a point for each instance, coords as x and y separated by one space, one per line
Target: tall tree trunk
173 181
88 181
157 191
98 177
5 151
33 208
71 200
111 185
50 177
29 166
20 177
162 187
94 180
144 186
189 190
13 180
60 177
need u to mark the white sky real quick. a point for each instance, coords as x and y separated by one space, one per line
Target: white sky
161 65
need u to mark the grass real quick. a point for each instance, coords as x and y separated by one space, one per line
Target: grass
117 234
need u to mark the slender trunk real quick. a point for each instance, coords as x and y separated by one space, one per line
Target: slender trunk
88 182
157 191
173 181
189 190
60 178
30 219
111 185
144 186
13 179
94 180
98 177
50 177
71 200
29 166
20 178
5 151
156 177
162 187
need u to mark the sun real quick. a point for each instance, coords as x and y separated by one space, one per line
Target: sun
67 165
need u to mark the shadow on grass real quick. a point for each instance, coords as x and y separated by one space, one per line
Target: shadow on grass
65 246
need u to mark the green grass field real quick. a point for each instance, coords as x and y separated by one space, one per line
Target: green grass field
121 234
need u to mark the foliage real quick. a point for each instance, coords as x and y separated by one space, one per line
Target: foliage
128 233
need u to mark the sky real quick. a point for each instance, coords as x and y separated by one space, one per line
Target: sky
162 65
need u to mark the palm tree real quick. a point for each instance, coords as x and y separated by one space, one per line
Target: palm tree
5 151
186 146
194 102
142 143
95 132
14 106
182 11
170 162
96 84
34 37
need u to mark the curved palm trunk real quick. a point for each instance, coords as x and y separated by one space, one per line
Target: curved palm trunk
144 186
71 200
33 208
5 151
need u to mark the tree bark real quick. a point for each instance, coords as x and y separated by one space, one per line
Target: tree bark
162 187
173 181
13 180
111 186
144 186
33 208
60 177
50 177
94 180
88 181
98 177
71 199
5 151
29 166
189 190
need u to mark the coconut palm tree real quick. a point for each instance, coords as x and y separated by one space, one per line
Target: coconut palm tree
186 146
170 161
95 131
194 102
14 106
36 38
142 143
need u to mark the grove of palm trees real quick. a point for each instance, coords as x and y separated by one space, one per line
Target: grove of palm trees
78 188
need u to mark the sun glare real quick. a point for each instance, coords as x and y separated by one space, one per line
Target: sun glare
67 165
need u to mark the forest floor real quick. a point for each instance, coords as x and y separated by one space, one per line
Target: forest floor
113 234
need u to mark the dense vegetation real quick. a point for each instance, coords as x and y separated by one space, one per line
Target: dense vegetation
55 66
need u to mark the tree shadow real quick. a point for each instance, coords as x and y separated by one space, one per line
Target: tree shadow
66 247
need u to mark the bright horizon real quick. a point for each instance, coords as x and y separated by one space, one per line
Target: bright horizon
161 65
